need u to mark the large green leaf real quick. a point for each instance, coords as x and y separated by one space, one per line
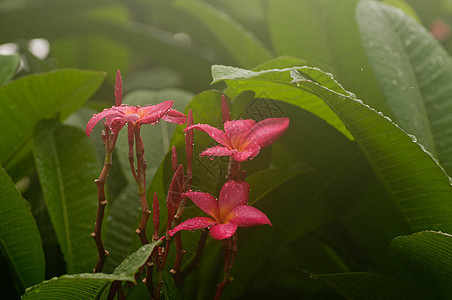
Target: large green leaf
373 286
414 73
428 253
325 33
240 43
275 84
20 242
414 180
267 180
67 166
91 285
122 221
8 67
33 98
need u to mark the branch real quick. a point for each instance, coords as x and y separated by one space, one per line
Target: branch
109 143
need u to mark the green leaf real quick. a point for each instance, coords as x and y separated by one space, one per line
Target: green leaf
19 235
428 253
92 52
122 222
30 99
8 67
170 291
274 84
265 181
325 34
362 285
414 73
67 166
91 285
413 179
241 44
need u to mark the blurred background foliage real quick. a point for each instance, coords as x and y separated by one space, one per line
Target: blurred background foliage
335 214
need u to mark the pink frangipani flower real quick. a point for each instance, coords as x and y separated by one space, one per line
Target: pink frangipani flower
118 116
243 139
227 214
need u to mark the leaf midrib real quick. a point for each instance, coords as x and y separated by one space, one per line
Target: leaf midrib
413 79
63 202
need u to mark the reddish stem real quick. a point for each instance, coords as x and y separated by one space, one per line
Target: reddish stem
179 277
156 217
230 252
109 143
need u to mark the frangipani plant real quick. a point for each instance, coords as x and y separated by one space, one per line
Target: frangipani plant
358 207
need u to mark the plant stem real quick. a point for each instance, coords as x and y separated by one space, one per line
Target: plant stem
230 252
179 277
109 143
180 252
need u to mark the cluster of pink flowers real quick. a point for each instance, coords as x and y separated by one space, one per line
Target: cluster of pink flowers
241 140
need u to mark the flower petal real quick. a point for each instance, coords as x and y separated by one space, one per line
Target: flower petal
246 216
223 231
206 202
218 151
108 112
153 113
175 116
267 131
131 118
250 152
233 194
215 133
237 131
116 124
193 224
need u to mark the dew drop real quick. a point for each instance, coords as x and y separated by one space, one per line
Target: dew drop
412 137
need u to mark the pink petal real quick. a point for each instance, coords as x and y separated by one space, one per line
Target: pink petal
206 202
217 151
131 118
215 133
223 231
108 112
246 216
174 116
249 153
153 114
233 194
193 224
267 131
238 130
127 109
